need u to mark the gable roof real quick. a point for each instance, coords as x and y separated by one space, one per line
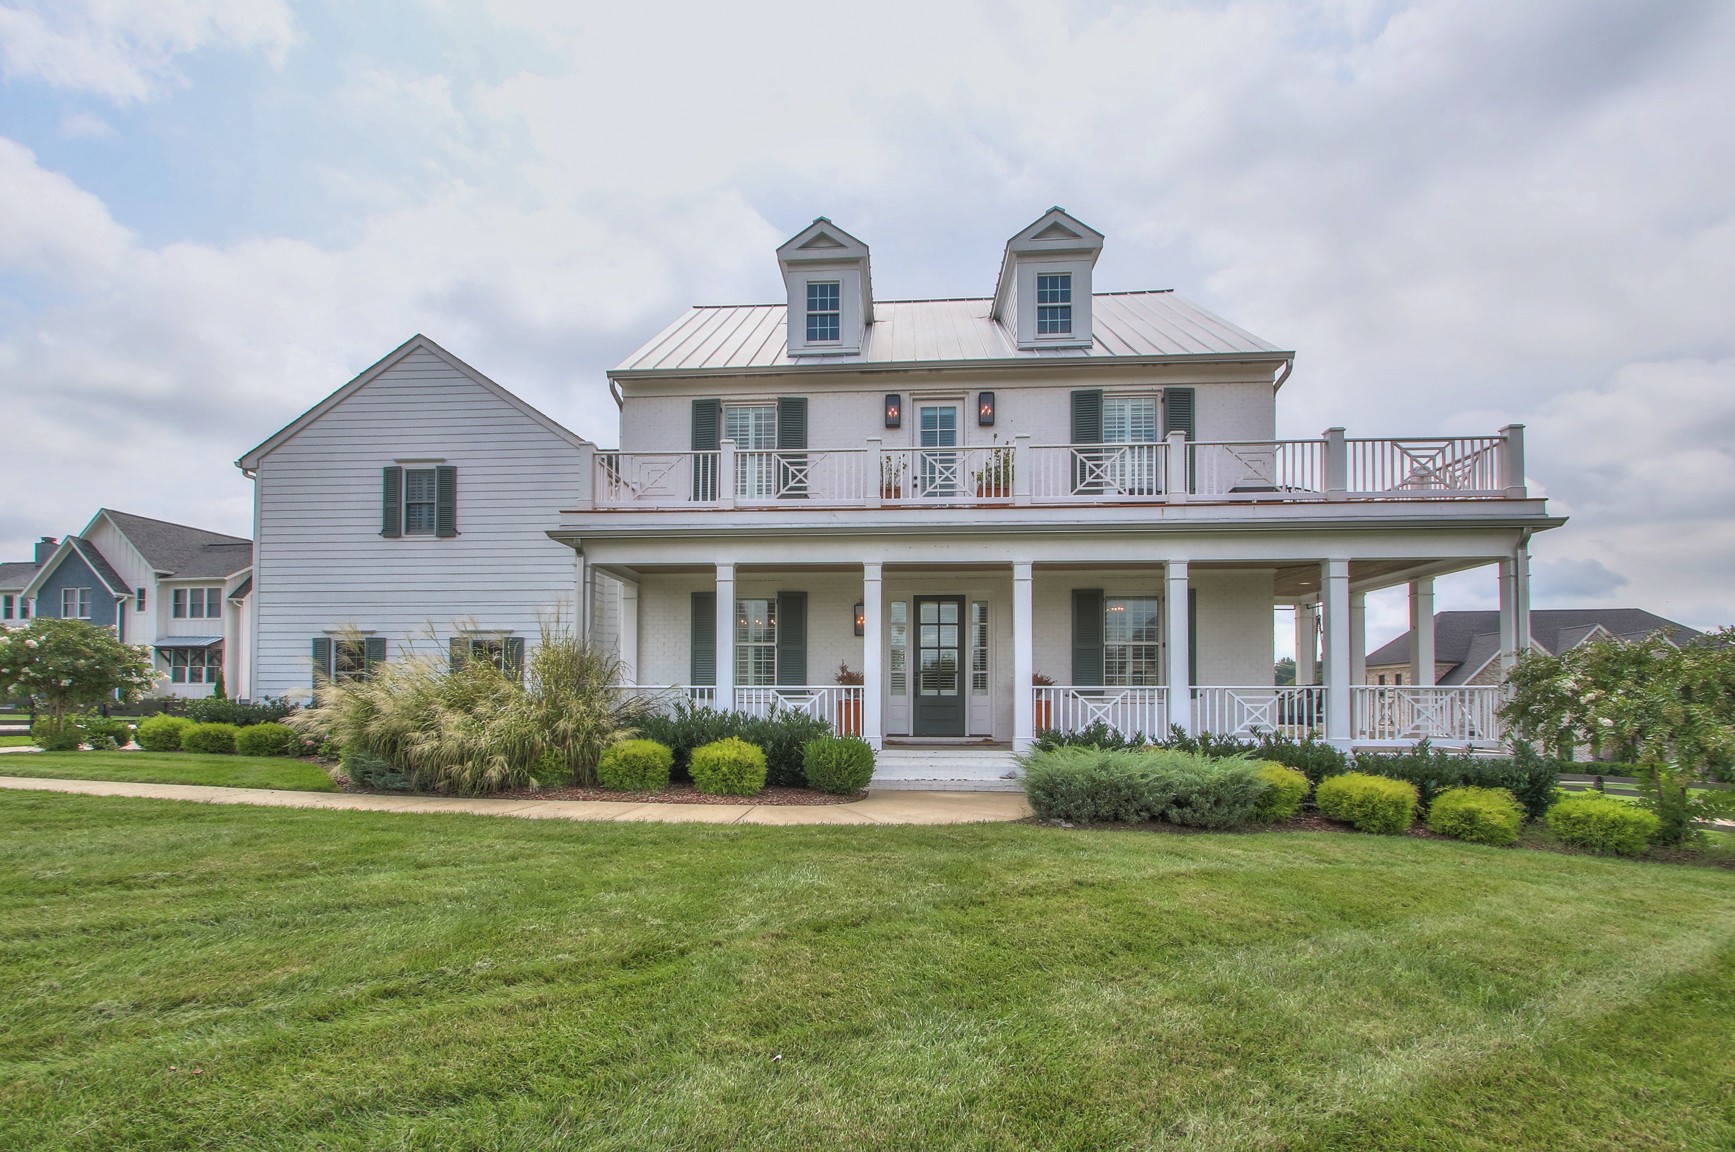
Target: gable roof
1459 636
417 343
1142 325
179 551
93 560
16 574
1056 232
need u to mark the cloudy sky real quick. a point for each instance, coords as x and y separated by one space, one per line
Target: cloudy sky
1460 213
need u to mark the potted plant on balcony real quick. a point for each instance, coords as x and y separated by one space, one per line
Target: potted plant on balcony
892 472
1044 706
994 478
848 708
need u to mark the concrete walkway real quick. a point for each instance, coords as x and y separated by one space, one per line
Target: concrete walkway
883 807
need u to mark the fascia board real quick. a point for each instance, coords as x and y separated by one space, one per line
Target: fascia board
624 375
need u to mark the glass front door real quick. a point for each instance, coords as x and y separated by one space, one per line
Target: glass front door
940 640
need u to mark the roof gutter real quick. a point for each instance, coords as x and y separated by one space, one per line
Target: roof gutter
1001 364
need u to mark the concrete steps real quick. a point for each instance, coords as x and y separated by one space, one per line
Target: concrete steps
943 767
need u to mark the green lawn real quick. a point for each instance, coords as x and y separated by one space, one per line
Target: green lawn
15 741
361 980
172 768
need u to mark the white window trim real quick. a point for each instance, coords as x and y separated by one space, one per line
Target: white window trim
1157 644
808 312
1071 305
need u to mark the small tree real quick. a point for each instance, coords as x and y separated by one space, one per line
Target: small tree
71 665
1670 708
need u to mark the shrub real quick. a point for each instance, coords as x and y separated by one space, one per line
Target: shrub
1368 803
210 738
1479 815
366 770
107 734
1084 785
267 740
162 733
840 764
782 736
1603 825
729 766
218 710
1286 792
1311 755
1204 792
1099 734
635 766
62 733
1529 777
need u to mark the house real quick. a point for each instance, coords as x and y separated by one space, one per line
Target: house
183 592
1040 508
15 577
408 512
1467 644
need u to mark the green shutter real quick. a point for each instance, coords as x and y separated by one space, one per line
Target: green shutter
792 433
1087 636
445 501
1193 636
374 648
707 437
321 660
458 651
703 643
1179 410
1086 429
792 637
514 657
392 503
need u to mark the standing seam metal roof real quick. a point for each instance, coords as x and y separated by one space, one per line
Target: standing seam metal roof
1133 324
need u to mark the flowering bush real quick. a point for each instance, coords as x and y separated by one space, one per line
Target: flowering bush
69 666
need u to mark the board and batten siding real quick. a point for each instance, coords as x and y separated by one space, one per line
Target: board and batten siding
322 565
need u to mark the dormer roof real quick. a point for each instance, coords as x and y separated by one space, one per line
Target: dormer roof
823 243
1056 233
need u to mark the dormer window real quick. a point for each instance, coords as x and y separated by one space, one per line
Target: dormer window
824 311
1054 304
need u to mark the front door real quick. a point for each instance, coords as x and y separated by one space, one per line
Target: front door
939 703
938 472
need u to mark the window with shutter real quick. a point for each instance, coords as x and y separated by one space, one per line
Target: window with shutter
707 438
392 503
791 433
445 501
1087 636
1180 411
1086 429
792 638
321 660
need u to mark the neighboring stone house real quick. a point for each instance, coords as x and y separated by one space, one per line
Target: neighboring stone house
1467 647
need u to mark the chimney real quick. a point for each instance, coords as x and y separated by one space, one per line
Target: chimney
44 549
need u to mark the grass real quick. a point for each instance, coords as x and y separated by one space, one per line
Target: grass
15 741
173 768
360 980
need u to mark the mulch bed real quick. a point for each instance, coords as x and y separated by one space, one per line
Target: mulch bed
682 794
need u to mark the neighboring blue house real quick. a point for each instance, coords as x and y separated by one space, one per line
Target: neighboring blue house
78 583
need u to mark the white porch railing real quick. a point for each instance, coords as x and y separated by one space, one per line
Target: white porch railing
1405 714
1426 468
1083 473
1129 711
1258 470
655 479
666 697
837 704
970 474
1244 711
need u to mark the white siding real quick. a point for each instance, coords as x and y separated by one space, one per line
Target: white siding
322 565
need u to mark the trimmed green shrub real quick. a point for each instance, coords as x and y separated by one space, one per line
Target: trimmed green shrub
728 767
781 736
635 766
106 734
1479 815
1084 785
1286 791
1368 803
1603 825
64 734
162 733
367 770
1099 734
1202 792
267 740
1530 778
218 710
1310 755
840 764
210 738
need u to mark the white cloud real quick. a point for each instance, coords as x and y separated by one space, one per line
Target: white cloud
125 50
85 126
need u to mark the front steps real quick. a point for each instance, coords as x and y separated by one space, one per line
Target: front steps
951 768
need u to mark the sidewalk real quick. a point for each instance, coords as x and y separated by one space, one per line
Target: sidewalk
887 807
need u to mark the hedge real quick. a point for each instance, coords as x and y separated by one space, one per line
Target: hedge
728 767
1529 777
267 740
1368 803
162 733
635 766
839 764
781 736
1478 815
210 738
1603 825
1287 792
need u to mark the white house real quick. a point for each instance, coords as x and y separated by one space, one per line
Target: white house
1039 508
408 511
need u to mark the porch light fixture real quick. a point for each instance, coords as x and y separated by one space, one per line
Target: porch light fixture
894 411
860 620
985 409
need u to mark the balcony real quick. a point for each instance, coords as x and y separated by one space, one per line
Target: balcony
1174 471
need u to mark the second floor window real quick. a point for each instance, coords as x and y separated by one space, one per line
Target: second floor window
138 599
419 500
753 427
824 317
196 603
75 603
1054 303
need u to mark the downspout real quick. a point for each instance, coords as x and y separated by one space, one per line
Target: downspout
1288 367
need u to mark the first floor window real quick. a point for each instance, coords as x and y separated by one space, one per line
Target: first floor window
503 652
7 603
1054 303
756 642
899 672
419 499
75 603
194 665
23 608
978 648
1130 641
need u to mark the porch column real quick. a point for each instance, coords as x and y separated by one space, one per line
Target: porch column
725 637
1307 644
1508 614
873 643
1175 635
1358 637
1334 579
1522 572
1422 631
1023 656
629 653
581 593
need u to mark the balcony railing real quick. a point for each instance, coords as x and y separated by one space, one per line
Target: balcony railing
1175 470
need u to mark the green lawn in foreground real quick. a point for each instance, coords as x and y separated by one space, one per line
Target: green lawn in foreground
172 768
15 741
362 980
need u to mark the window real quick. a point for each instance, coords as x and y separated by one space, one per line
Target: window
196 603
1054 303
138 599
6 606
349 660
1130 638
753 428
503 652
978 648
75 603
899 673
23 608
755 642
194 665
1130 421
419 500
824 324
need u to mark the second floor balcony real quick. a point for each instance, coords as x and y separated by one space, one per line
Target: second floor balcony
1023 473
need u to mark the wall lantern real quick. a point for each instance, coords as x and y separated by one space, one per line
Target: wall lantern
860 620
985 409
894 412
